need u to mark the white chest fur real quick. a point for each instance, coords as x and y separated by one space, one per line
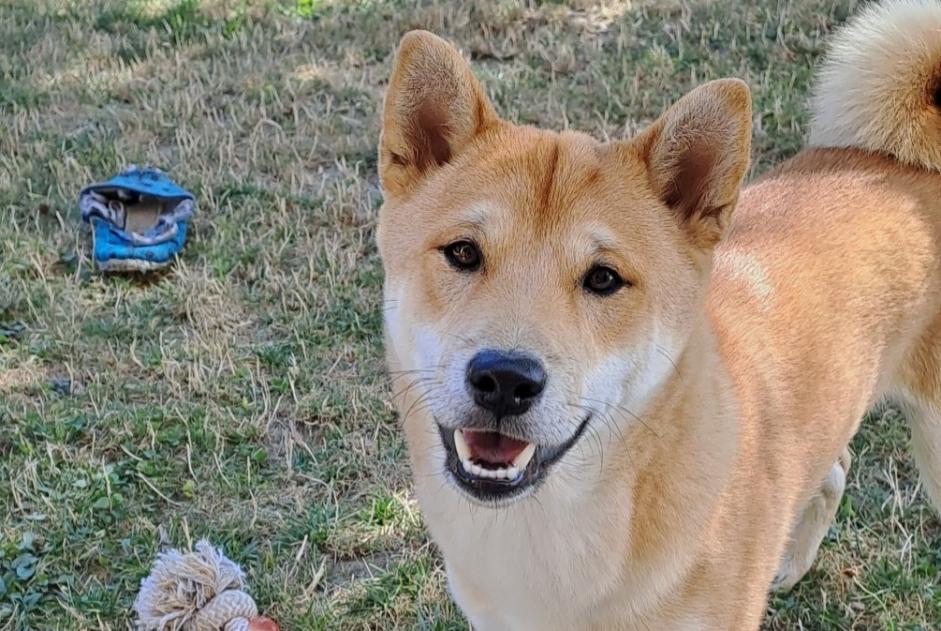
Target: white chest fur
520 566
550 561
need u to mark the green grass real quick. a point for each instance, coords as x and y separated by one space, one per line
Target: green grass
241 395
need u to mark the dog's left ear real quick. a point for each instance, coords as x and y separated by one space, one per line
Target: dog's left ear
697 154
434 108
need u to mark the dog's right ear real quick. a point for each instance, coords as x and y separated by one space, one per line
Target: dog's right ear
434 107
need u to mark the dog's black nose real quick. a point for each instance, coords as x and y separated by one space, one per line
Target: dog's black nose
505 383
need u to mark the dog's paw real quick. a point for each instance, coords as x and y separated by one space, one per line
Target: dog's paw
787 577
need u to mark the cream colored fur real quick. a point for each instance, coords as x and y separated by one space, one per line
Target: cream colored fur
876 87
812 526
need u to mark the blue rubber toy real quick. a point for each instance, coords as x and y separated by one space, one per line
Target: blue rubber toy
139 219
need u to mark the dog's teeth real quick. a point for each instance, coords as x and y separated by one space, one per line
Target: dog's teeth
460 445
509 473
524 457
503 473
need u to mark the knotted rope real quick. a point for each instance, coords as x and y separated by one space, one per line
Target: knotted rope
200 590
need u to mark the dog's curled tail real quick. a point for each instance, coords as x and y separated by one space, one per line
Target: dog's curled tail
879 87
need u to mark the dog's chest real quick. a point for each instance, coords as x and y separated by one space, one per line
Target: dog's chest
530 565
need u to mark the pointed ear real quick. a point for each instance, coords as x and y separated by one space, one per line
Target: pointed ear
434 107
697 154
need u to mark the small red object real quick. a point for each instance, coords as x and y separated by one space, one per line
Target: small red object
261 623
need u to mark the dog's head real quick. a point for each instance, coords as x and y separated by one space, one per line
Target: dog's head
539 285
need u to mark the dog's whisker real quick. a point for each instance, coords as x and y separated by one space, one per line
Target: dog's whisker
625 410
414 383
664 352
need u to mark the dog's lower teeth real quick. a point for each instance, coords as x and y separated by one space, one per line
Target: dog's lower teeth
510 473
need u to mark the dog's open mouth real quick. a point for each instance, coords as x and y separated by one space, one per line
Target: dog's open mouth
492 455
495 467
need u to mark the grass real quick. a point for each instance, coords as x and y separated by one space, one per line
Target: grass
241 395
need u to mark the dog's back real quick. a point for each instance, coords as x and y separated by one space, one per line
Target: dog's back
832 262
826 292
886 68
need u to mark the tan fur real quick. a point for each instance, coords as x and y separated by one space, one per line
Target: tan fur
725 382
812 525
879 87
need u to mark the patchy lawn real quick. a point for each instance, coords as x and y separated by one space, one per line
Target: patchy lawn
241 395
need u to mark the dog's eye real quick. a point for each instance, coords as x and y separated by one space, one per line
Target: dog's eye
602 280
463 255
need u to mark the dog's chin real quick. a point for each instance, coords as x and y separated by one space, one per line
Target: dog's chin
493 469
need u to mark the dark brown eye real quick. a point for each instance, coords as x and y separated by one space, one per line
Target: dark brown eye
602 281
463 255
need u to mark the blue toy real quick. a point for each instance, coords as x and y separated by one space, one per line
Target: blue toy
139 219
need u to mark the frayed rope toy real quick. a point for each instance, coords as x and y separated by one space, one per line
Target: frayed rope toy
200 590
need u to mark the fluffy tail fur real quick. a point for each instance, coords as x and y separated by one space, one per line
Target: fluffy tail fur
879 87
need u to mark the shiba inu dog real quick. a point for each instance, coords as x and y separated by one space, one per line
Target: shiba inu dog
627 384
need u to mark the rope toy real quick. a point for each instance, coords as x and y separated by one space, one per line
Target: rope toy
200 590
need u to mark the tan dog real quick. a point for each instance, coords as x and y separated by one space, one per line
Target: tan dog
628 408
